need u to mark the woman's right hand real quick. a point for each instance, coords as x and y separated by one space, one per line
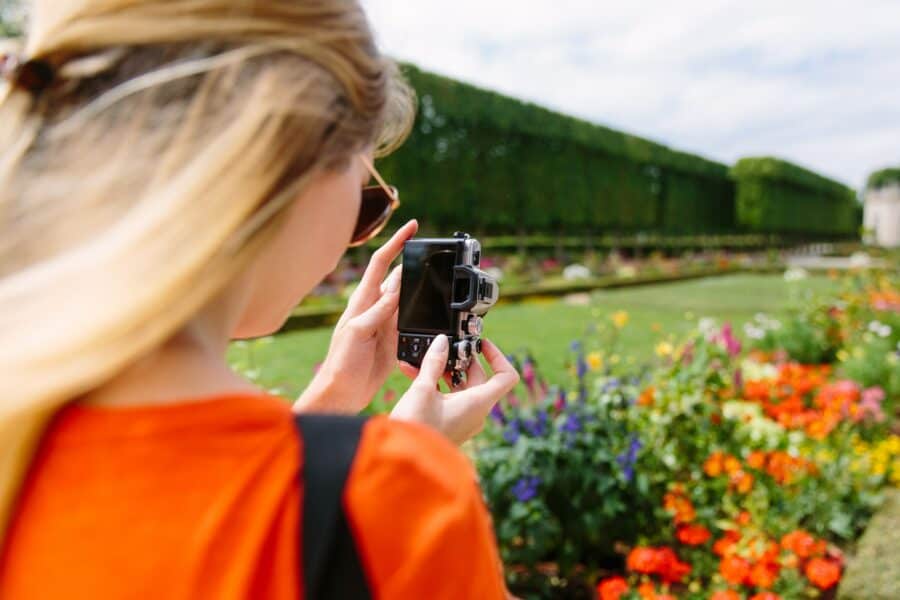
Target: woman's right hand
460 414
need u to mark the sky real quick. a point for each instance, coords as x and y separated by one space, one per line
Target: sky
814 82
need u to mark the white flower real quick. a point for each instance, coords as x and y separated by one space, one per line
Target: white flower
795 274
576 272
707 325
880 329
754 333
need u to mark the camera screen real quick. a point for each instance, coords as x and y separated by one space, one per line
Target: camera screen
426 288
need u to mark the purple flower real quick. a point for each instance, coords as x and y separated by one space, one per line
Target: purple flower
537 427
511 434
575 346
611 384
572 424
526 488
497 414
582 367
627 459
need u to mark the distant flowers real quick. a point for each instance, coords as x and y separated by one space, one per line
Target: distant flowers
526 488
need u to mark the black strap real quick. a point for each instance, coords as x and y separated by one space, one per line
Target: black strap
331 565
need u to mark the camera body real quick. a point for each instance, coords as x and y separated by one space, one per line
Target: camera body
443 291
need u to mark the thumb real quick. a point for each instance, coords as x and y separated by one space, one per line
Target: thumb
434 362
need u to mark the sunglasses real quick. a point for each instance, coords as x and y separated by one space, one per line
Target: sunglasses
378 204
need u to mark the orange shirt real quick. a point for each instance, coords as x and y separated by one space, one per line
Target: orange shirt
201 500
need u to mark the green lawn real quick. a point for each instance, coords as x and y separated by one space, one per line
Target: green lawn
546 328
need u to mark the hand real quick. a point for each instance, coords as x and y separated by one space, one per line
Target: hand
460 414
363 349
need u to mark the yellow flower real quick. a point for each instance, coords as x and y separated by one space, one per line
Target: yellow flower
892 444
842 355
614 359
595 361
620 318
664 349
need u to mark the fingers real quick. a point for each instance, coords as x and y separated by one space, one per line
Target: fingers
395 272
475 375
434 363
379 264
505 376
369 322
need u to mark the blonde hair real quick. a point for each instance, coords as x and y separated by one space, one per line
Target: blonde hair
149 174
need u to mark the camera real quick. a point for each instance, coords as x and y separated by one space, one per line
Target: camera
443 291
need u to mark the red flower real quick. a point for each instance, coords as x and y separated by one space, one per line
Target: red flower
765 596
693 535
802 544
725 595
724 546
612 588
764 575
734 569
643 560
823 573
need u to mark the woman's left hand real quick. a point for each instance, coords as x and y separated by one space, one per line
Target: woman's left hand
363 349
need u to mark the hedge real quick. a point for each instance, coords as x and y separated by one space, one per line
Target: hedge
884 178
775 196
483 162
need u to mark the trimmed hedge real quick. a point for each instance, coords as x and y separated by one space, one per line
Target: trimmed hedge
884 178
483 162
775 196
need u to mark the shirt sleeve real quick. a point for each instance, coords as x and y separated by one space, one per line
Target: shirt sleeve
418 517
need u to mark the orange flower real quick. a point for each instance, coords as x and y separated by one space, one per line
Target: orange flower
647 396
725 546
725 595
693 535
756 459
741 481
612 588
734 569
765 596
764 575
823 573
743 518
675 501
647 591
714 464
802 544
731 464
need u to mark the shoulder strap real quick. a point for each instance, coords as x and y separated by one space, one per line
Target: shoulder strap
332 569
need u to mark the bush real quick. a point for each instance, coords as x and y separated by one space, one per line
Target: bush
779 197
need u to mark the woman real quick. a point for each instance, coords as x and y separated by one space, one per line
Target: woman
175 174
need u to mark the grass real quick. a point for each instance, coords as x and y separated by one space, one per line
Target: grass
874 572
545 327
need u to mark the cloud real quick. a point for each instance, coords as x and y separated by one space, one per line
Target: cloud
811 81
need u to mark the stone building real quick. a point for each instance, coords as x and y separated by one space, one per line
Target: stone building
881 215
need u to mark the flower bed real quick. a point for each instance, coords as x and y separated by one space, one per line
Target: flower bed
718 472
